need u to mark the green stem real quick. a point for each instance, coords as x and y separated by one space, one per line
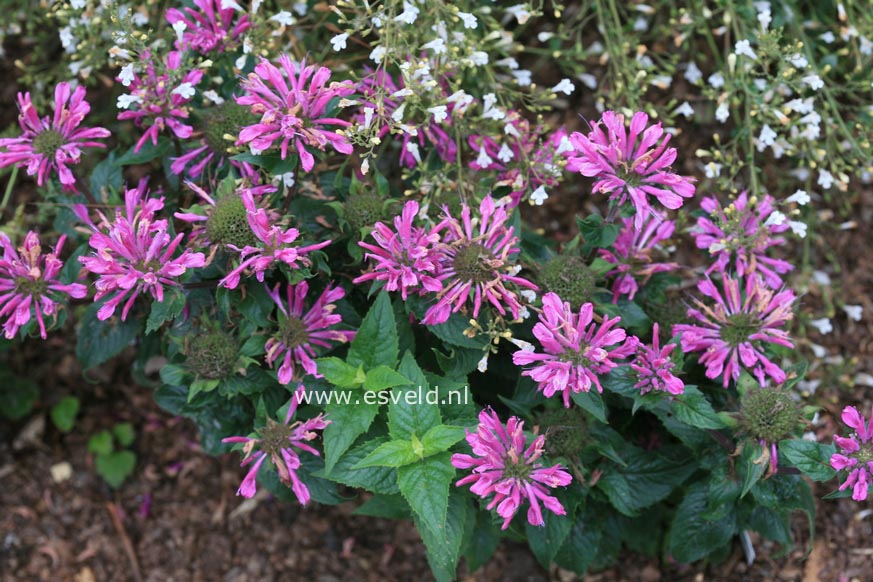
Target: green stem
8 193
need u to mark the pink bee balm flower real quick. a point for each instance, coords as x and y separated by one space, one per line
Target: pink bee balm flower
742 232
280 443
273 245
134 252
29 283
633 251
52 144
502 466
158 100
291 101
732 332
406 259
212 28
631 165
574 349
654 366
299 333
475 262
857 454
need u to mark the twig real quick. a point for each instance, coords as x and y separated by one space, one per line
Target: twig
125 540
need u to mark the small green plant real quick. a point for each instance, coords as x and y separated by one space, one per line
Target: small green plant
114 463
64 413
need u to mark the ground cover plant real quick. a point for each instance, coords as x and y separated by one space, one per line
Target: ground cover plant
337 237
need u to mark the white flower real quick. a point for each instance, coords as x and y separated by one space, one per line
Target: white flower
529 295
798 228
214 97
798 61
544 36
821 278
405 92
482 366
284 18
539 196
125 101
823 325
68 41
286 179
743 47
685 109
520 12
179 27
378 54
814 82
722 112
712 170
775 219
825 179
828 37
766 138
800 197
565 86
225 4
491 112
461 100
479 58
126 75
765 18
409 14
398 113
484 160
440 113
78 4
641 24
565 145
300 8
855 312
412 148
365 166
438 46
693 73
368 116
505 154
588 80
716 80
468 19
522 345
522 77
185 90
240 62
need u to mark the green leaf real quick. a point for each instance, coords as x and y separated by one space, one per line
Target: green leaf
115 467
375 343
580 547
385 506
483 541
443 543
593 403
382 480
382 377
390 454
692 408
99 341
17 395
124 432
692 537
100 443
172 305
106 177
425 486
545 541
811 458
173 375
649 477
408 413
349 421
752 464
339 373
63 413
202 385
147 152
440 438
772 524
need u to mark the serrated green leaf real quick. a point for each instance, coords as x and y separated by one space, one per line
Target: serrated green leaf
385 506
692 537
811 458
752 464
172 305
593 403
649 477
99 341
408 412
64 413
441 438
382 480
483 541
390 454
382 377
692 408
545 541
115 467
339 373
443 543
581 545
375 343
425 486
349 421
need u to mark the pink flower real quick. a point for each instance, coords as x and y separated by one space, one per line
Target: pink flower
502 466
631 165
857 453
134 252
476 262
52 144
273 245
574 349
742 232
212 28
279 443
732 332
632 254
299 333
29 283
654 366
219 121
291 101
158 99
407 259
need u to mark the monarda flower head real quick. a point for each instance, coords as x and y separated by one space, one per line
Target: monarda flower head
733 332
51 144
216 124
280 443
291 101
740 234
856 453
574 349
134 252
475 264
505 466
654 367
216 26
769 415
405 258
29 284
632 165
158 98
301 331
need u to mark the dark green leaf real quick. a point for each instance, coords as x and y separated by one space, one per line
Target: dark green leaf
100 340
349 421
440 438
443 542
375 343
593 403
169 308
390 454
752 464
692 408
115 467
813 459
385 506
382 377
408 413
692 537
339 373
545 541
649 477
425 486
381 480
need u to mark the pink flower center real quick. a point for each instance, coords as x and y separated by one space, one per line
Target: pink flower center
290 125
515 467
293 332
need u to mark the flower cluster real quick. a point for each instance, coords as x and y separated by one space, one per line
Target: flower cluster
503 464
216 26
654 367
856 454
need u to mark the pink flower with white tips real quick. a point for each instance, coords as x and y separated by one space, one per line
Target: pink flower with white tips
503 465
212 28
292 101
29 283
280 443
300 333
857 453
134 252
575 349
51 144
632 165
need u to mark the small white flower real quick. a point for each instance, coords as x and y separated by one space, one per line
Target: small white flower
179 28
565 145
775 219
798 61
233 4
284 18
798 228
438 46
125 101
461 100
799 197
412 148
766 138
365 166
814 82
520 12
828 37
722 112
256 5
368 116
823 325
240 62
641 24
491 112
539 196
126 75
693 73
522 77
214 97
744 48
479 58
398 113
482 366
712 170
685 110
440 113
505 154
522 345
529 295
483 159
286 179
765 18
185 90
821 278
405 92
545 36
301 8
468 19
716 80
855 312
409 14
565 86
78 4
588 80
825 179
68 40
